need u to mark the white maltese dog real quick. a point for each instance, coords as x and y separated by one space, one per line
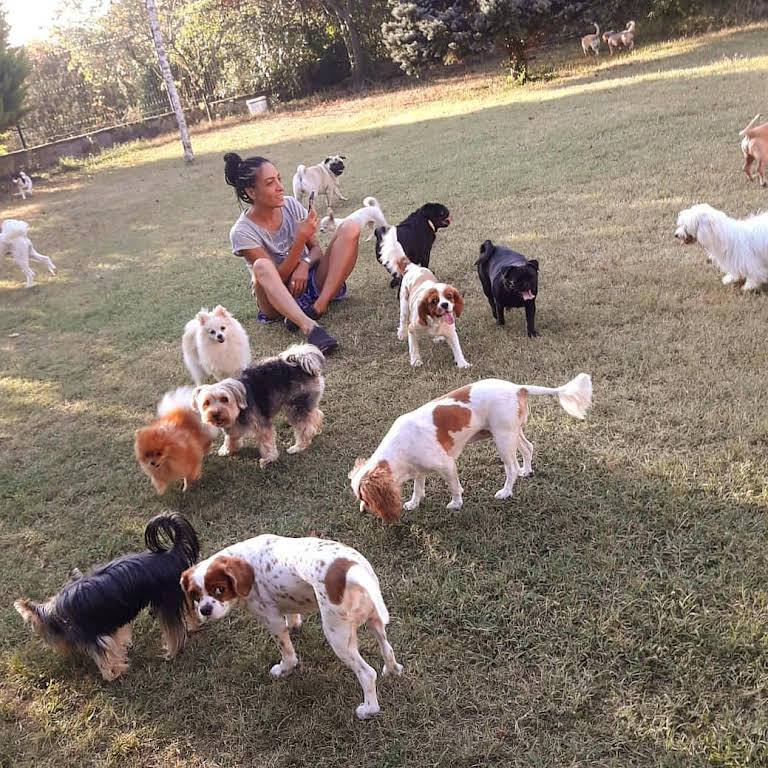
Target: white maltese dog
215 344
15 242
738 247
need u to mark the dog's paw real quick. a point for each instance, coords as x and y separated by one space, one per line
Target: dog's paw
365 711
728 278
295 448
400 334
410 505
750 285
293 620
224 450
463 364
504 493
397 670
264 462
532 334
452 504
278 670
416 362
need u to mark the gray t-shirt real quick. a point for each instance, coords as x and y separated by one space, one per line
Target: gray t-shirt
245 234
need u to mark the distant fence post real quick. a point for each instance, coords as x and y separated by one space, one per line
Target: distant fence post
21 136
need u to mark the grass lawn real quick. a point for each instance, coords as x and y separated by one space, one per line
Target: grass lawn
613 612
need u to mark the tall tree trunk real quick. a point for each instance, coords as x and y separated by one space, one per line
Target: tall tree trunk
354 45
173 94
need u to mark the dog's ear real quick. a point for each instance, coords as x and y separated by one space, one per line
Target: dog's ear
202 316
534 263
343 157
219 311
240 573
195 393
486 248
237 390
379 494
458 303
327 160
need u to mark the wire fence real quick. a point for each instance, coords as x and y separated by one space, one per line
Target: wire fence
60 113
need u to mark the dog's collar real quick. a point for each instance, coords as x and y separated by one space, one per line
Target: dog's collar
429 221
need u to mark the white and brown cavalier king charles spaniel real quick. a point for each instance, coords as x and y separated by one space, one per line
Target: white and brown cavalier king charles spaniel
276 579
432 437
427 308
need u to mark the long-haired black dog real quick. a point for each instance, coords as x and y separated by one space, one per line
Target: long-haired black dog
93 613
292 382
416 234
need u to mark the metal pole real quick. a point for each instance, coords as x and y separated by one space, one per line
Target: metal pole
21 136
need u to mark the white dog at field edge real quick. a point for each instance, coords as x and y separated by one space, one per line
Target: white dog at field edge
738 247
15 242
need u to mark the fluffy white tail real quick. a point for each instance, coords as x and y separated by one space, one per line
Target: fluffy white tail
297 179
751 123
575 397
392 254
371 201
360 577
597 29
307 356
181 398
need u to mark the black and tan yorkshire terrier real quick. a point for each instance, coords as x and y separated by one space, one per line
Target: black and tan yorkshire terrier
93 613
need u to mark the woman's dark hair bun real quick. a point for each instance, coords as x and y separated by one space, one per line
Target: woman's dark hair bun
239 173
231 163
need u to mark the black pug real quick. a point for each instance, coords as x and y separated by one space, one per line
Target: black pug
509 280
417 235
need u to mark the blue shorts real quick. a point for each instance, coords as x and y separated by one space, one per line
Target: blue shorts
308 298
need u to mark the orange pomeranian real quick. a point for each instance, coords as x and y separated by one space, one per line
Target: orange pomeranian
172 448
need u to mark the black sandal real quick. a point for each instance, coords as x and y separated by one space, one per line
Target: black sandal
322 339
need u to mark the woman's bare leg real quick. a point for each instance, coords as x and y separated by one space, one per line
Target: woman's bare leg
274 298
337 263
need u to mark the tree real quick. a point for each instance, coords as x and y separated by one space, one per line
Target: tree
423 31
14 70
173 95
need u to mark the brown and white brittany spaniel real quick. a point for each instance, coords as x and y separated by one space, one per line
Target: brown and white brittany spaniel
276 579
427 308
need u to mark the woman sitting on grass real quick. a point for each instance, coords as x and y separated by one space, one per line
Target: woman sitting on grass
291 276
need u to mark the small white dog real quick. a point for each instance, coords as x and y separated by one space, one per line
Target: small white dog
215 344
276 579
15 242
427 308
738 247
23 183
322 179
369 215
432 437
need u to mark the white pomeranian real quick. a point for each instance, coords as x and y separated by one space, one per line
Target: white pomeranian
215 344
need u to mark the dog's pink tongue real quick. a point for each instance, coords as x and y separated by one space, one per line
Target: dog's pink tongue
448 317
527 296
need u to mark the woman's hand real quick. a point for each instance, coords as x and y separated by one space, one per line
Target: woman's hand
297 283
307 227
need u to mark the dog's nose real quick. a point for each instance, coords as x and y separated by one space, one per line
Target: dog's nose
220 337
206 610
443 305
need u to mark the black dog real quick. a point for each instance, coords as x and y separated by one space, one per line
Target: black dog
509 280
93 613
417 235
